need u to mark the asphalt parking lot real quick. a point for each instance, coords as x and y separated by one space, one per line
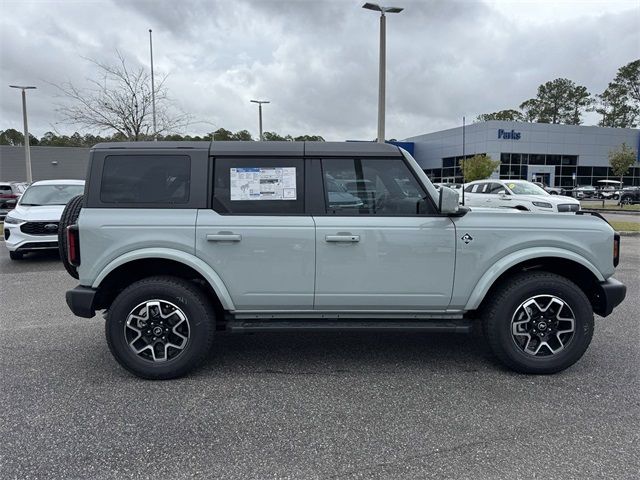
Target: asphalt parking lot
308 406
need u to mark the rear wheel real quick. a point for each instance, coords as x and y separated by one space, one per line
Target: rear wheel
160 327
539 323
625 201
69 217
15 255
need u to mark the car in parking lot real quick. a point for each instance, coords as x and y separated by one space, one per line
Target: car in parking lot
517 194
178 241
585 191
630 196
10 192
33 224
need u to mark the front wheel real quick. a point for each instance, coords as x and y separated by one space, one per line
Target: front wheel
15 255
539 323
625 201
160 327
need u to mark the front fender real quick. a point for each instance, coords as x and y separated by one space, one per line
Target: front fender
179 256
504 264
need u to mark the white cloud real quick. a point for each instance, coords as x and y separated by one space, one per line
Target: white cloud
317 61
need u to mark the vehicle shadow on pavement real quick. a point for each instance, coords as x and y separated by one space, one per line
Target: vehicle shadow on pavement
32 261
345 352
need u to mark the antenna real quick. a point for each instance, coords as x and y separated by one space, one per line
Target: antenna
463 157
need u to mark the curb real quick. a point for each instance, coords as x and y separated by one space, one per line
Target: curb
630 234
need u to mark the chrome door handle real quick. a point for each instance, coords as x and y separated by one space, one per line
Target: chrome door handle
223 237
342 238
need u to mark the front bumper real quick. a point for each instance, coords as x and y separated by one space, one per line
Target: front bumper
18 241
611 293
81 301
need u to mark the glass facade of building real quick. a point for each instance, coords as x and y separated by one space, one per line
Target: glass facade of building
517 166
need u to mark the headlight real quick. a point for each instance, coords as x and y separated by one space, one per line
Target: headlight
542 204
9 219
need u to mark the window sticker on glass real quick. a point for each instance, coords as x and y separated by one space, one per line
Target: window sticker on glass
278 183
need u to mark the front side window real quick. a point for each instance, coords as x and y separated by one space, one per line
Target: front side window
259 186
371 187
38 195
496 188
526 188
150 179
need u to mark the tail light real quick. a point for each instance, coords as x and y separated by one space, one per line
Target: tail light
616 249
73 245
7 196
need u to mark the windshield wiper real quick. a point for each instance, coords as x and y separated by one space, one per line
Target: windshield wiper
31 204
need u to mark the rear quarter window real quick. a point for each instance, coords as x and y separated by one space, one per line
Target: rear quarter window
146 179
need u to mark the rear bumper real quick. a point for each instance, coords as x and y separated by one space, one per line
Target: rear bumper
81 301
611 293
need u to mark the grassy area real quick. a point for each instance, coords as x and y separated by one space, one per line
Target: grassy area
625 226
597 205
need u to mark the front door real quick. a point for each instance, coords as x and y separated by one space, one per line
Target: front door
373 250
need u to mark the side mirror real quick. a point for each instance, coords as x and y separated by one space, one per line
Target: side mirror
448 201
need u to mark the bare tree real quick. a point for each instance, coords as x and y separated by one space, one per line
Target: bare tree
120 100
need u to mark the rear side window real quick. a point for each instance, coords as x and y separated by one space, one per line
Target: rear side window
152 179
259 186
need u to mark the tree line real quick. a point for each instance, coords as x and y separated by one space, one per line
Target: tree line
13 137
562 101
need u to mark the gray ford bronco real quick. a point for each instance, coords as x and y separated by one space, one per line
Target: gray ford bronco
176 242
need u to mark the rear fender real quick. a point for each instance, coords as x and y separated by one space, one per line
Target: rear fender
182 257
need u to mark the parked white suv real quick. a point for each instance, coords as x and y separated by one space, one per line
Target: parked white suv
518 194
33 224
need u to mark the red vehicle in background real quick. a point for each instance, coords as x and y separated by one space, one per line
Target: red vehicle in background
10 192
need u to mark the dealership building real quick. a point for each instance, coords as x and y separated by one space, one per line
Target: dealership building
558 155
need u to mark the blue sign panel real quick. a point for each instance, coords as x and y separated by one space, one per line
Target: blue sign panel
508 135
408 146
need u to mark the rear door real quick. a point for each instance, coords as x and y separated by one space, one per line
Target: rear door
378 253
257 237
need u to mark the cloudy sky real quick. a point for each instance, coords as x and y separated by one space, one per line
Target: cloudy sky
317 61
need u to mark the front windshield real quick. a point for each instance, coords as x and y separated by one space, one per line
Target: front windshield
50 194
525 188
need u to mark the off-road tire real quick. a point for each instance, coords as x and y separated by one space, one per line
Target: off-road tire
505 301
69 217
197 308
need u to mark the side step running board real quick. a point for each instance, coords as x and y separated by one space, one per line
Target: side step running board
451 326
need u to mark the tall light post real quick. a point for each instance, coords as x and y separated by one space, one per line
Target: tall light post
153 89
260 102
383 61
27 150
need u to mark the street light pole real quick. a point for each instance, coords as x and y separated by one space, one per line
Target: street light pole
382 63
153 90
260 102
27 149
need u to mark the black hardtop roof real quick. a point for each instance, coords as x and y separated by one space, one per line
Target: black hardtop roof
289 149
151 145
